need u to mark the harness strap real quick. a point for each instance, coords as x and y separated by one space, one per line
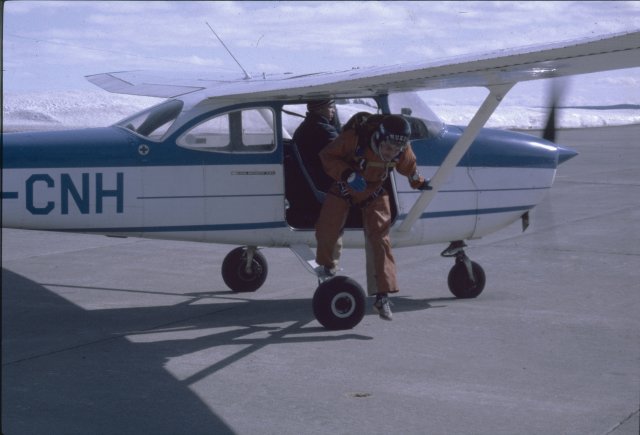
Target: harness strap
379 191
344 194
382 164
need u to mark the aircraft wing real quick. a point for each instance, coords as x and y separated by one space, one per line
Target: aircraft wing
119 83
582 56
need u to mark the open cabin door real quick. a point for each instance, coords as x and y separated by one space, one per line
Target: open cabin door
303 197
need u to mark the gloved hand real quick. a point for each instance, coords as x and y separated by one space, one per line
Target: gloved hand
425 186
356 182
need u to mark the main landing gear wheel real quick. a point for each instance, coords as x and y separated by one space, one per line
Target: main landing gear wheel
339 303
466 278
244 269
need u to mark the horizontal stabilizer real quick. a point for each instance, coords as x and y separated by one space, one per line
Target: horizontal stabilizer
111 83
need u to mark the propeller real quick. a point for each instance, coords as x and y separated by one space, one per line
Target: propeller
556 90
555 93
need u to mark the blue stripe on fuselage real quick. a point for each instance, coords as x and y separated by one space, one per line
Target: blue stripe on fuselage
181 228
279 224
110 147
453 213
492 148
117 147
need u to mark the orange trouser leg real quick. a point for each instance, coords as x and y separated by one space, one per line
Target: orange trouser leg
377 223
329 226
372 285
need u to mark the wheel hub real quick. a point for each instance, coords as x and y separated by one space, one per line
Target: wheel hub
343 305
250 273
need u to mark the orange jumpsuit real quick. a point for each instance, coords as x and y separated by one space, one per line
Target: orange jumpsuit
339 157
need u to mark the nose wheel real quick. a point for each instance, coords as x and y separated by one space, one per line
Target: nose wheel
466 278
244 269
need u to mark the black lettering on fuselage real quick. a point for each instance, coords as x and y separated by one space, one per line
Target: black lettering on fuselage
78 193
67 188
31 206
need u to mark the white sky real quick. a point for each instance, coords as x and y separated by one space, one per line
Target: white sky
52 45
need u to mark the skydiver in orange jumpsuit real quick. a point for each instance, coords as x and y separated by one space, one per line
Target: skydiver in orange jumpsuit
360 160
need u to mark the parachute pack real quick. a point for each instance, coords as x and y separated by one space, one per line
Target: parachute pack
364 124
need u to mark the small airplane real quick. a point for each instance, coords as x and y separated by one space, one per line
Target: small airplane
215 163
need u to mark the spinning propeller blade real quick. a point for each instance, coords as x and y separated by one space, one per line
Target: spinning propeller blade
555 93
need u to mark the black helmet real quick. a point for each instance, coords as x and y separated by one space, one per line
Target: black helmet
393 129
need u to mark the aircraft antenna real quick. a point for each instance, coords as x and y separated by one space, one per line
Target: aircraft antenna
246 74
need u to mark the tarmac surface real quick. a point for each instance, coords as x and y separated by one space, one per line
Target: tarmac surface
134 336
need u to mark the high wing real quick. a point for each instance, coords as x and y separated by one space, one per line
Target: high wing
582 56
112 83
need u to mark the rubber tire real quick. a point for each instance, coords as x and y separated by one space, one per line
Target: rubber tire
461 285
339 303
234 273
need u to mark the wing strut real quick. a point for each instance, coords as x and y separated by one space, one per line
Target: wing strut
496 94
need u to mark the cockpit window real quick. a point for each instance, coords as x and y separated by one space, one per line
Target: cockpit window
153 123
247 130
424 123
419 129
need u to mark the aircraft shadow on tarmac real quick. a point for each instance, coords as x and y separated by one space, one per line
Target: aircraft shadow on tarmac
76 370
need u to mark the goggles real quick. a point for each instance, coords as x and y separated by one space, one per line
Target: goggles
398 143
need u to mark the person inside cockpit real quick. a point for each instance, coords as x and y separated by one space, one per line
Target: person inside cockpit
315 132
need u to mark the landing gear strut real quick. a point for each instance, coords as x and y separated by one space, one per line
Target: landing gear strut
466 278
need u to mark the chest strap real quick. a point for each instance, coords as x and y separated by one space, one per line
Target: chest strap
381 164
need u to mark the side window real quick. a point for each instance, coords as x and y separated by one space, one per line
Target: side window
213 133
247 130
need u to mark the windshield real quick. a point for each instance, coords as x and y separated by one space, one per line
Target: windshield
412 105
153 123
